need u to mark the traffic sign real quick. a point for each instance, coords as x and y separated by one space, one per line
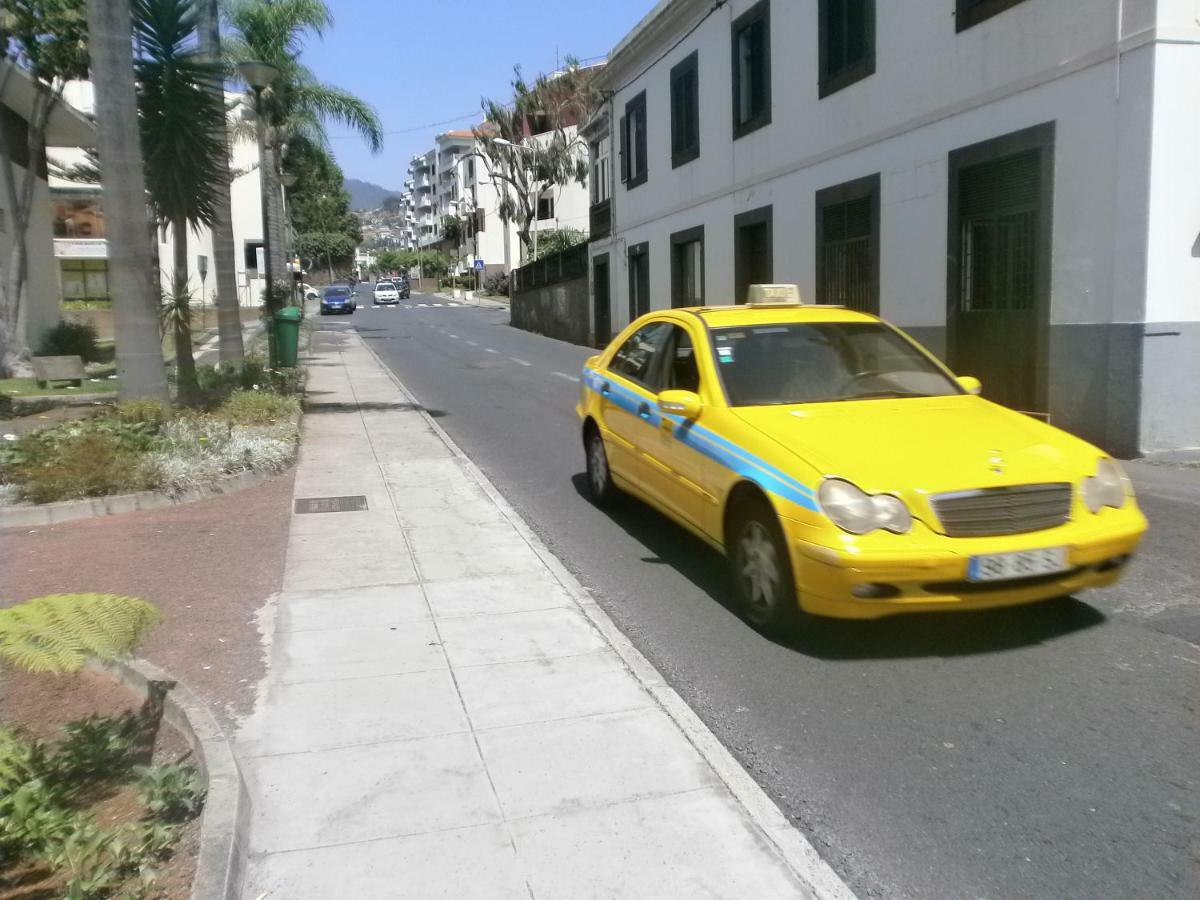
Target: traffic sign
478 264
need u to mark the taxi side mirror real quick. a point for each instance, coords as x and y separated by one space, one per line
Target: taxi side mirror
970 384
680 403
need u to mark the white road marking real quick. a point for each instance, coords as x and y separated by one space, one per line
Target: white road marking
439 304
490 350
422 304
520 362
565 375
455 336
473 343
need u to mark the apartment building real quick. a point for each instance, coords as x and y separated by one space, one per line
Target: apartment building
1011 181
81 249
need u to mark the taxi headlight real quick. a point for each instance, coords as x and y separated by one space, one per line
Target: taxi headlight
854 510
1106 488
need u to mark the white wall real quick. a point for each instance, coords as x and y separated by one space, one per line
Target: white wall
934 90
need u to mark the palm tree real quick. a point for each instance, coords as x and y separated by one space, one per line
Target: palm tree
130 258
185 158
229 320
296 104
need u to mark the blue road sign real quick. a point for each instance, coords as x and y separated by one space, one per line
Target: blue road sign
478 264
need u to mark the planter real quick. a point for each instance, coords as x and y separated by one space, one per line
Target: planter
470 296
458 293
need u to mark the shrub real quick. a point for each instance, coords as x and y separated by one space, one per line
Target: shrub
71 339
170 792
218 382
92 463
257 408
99 746
143 412
497 284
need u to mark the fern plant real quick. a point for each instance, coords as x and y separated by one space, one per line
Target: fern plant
59 633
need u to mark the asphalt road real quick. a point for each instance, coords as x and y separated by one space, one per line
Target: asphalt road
1047 751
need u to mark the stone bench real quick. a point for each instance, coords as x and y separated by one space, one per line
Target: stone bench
58 368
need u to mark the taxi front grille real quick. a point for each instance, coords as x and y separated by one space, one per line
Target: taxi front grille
1003 510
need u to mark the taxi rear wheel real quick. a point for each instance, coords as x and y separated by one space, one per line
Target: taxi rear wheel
599 477
761 569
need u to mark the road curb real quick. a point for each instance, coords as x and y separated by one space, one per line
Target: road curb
72 510
225 823
792 846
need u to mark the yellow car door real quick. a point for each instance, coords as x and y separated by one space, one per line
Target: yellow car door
629 407
684 468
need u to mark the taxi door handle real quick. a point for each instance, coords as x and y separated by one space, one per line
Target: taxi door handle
605 389
644 410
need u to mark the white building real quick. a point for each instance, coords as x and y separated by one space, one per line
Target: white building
66 127
81 250
1012 181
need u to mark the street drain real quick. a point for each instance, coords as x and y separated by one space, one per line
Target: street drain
356 503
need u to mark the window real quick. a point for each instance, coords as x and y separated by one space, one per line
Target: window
972 12
685 110
84 279
847 43
752 69
687 267
635 360
633 142
81 217
848 244
545 208
681 372
600 163
251 249
639 280
753 258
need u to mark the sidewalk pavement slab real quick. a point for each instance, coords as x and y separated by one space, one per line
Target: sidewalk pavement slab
447 714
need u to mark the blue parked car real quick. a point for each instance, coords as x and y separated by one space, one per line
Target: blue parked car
338 298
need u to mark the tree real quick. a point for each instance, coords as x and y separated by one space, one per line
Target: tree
130 261
332 245
47 39
229 319
550 108
185 157
296 105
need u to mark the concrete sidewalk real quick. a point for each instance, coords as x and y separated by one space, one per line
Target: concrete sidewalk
447 714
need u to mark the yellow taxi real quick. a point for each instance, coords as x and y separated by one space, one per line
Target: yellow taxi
842 469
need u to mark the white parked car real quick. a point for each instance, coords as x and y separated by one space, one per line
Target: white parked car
385 292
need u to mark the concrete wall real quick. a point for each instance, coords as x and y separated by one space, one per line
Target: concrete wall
559 310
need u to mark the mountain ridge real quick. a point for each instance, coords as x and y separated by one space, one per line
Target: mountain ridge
367 194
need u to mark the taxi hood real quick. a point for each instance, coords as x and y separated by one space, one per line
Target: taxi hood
924 444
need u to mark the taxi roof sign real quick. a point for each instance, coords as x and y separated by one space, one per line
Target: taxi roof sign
775 295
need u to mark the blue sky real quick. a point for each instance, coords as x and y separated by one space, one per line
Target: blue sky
399 57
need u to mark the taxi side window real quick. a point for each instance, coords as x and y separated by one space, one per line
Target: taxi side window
681 373
637 356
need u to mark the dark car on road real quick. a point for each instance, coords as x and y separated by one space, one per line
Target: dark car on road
338 298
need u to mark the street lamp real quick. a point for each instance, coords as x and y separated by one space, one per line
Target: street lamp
505 143
258 75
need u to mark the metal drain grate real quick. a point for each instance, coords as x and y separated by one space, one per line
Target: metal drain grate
356 503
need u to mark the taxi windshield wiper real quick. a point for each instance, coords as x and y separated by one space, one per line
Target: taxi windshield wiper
874 395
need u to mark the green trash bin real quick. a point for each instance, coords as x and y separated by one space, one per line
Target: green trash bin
287 336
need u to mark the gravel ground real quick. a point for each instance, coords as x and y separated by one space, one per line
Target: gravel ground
209 566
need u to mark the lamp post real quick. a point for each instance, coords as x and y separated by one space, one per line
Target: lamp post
504 143
258 75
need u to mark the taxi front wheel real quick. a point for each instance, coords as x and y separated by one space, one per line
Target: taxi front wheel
761 569
600 484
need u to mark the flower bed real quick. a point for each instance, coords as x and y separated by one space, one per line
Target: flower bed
144 446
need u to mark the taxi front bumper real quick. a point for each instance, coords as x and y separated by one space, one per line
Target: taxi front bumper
867 583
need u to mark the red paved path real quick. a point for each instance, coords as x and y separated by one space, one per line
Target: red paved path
209 566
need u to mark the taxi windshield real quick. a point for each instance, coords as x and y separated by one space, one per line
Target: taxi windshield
823 362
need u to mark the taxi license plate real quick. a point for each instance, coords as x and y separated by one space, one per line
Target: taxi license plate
1022 564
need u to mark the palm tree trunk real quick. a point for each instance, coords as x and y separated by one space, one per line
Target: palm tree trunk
185 363
130 267
279 249
229 320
